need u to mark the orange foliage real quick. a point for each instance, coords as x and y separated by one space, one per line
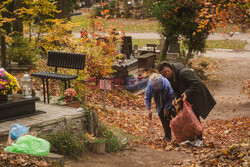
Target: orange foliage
222 13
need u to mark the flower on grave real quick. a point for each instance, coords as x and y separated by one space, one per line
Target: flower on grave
90 136
120 56
8 83
69 95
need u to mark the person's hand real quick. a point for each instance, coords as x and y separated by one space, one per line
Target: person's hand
166 113
174 101
184 96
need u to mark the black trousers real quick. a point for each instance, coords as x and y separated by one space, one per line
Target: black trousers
166 121
198 117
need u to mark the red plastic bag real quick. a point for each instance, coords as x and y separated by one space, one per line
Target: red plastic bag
185 125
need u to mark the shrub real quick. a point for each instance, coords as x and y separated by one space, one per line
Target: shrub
63 142
113 143
103 131
200 69
22 51
102 11
70 95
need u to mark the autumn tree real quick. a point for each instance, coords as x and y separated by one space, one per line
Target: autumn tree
193 20
225 12
101 49
38 18
179 18
195 40
5 26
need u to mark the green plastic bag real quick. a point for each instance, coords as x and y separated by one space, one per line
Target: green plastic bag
30 145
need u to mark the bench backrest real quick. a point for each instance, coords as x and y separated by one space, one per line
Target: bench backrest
153 46
66 60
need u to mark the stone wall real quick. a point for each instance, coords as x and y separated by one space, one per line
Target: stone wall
55 116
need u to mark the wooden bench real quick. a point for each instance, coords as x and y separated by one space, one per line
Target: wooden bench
63 60
152 47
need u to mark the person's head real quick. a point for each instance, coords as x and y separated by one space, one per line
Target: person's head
156 81
166 69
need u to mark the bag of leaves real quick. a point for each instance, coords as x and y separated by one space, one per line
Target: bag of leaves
185 125
18 130
30 145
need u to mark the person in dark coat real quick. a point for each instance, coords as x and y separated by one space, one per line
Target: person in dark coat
189 86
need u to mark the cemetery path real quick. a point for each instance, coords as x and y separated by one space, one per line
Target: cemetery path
233 74
231 103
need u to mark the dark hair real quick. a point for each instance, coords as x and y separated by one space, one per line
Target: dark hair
164 64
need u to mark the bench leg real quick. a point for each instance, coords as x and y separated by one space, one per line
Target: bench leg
65 85
69 83
47 84
44 97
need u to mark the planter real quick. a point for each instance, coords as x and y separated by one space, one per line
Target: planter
97 146
3 98
74 104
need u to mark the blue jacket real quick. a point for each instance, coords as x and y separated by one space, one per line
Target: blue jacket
163 97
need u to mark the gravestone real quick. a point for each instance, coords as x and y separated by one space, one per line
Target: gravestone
174 48
173 52
146 61
160 47
127 46
17 108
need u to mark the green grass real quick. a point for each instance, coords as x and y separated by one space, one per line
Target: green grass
128 25
144 42
226 44
80 21
211 44
138 25
151 25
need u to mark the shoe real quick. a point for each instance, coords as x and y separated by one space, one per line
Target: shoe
185 142
167 139
196 143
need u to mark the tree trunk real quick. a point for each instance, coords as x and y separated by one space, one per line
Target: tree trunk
189 54
164 50
125 9
3 51
18 25
65 7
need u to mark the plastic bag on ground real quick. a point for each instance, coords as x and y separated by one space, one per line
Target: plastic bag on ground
185 125
30 145
18 130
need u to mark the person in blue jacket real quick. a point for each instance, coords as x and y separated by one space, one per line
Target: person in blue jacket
160 89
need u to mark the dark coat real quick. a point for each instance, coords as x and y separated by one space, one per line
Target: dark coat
184 80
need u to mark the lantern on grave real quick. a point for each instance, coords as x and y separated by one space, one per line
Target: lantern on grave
27 86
